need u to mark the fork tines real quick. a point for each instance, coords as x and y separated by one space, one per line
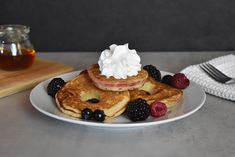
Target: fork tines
214 73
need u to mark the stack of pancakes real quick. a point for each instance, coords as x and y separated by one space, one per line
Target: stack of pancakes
112 94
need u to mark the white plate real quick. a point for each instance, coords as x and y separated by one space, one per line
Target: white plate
194 98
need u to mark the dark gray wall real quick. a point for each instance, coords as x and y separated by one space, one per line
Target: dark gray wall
85 25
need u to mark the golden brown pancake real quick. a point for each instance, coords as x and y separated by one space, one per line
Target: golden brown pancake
72 98
113 84
153 91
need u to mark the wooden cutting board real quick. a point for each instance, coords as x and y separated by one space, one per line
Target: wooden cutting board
15 81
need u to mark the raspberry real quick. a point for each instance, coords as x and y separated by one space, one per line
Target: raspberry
180 81
83 72
54 86
138 110
153 72
167 79
158 109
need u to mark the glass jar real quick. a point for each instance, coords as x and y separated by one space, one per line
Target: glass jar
16 50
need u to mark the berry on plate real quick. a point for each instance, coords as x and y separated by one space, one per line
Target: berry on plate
158 109
180 81
87 114
99 115
167 79
138 110
54 86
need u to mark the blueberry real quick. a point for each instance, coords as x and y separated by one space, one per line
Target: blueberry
87 114
167 79
93 100
99 115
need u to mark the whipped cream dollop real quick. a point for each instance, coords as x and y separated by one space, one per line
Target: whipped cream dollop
119 61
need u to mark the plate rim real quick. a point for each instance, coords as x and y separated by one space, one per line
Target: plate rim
112 125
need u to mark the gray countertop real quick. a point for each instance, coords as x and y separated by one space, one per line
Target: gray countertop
210 132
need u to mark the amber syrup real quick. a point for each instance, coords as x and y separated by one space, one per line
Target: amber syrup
21 61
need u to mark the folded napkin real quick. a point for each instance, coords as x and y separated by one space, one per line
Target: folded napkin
226 64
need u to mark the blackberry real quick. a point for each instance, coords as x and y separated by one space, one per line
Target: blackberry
167 79
138 110
87 114
153 72
54 86
99 115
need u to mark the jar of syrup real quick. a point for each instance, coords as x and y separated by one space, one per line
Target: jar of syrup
16 50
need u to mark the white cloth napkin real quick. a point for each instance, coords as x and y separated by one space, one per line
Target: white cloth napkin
226 64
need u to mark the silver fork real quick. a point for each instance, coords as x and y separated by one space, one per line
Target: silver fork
216 74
